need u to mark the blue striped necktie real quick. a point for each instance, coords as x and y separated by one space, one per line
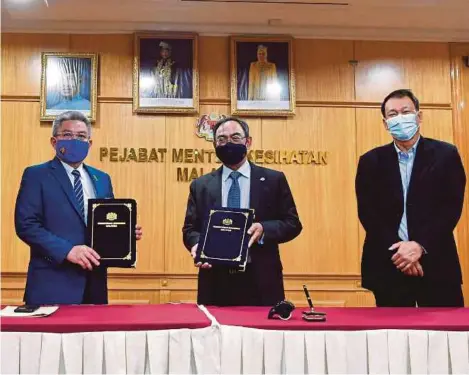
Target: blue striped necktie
234 195
78 189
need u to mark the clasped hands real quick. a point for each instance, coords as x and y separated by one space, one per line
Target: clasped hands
87 258
407 257
255 231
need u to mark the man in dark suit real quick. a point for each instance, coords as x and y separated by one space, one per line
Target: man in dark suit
241 184
410 195
50 214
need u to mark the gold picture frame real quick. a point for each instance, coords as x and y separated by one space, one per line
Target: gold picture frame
165 73
68 82
262 76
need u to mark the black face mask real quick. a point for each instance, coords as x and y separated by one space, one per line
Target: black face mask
231 153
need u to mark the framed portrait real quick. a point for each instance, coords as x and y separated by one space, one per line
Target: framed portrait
262 76
166 78
68 82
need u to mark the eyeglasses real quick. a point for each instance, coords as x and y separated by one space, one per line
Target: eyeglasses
70 135
392 114
235 138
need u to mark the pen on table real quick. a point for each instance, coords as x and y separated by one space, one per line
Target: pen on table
308 297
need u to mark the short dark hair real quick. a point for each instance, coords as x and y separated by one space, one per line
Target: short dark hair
401 93
242 123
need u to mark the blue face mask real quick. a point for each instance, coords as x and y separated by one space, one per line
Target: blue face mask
403 127
71 150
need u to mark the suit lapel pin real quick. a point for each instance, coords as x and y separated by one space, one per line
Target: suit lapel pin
262 179
95 178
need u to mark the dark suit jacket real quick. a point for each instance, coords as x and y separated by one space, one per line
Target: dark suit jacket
275 209
48 219
434 204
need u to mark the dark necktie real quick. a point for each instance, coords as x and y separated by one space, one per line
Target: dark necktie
234 195
78 189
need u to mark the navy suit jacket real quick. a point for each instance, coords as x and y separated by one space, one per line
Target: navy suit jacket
47 218
272 200
434 205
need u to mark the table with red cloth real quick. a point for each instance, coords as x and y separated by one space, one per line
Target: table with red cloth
351 340
114 339
185 338
88 318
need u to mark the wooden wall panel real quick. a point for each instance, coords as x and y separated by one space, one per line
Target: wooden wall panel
21 60
180 135
323 194
438 124
184 296
25 141
323 71
332 298
214 67
385 66
338 290
118 127
115 64
132 297
370 130
12 297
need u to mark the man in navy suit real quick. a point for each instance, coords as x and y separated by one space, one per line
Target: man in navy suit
51 208
410 196
241 184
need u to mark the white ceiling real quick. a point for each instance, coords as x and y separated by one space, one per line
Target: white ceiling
439 20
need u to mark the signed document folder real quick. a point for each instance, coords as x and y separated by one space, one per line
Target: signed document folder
111 231
224 239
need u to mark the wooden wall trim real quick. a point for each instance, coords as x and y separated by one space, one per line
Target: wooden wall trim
141 288
20 98
143 275
308 103
214 101
155 281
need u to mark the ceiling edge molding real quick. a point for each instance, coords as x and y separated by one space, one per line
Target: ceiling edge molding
306 32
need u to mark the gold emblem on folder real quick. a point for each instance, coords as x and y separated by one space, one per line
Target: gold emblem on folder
227 221
111 216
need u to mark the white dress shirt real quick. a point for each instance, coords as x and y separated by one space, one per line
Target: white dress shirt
406 163
244 184
87 184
